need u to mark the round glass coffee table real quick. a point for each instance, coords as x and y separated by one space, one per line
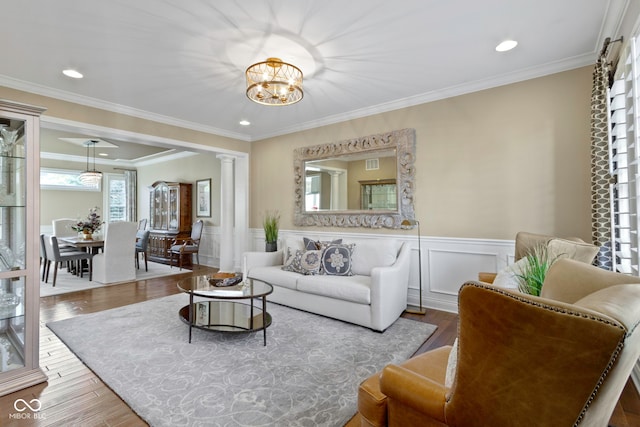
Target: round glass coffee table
222 312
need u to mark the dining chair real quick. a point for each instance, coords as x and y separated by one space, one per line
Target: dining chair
59 258
189 246
142 224
114 263
44 261
142 243
62 228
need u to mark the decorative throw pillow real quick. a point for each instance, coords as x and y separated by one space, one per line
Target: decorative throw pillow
310 244
507 277
311 261
304 262
452 364
336 259
580 251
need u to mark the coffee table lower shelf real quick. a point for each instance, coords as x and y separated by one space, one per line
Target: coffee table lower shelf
226 316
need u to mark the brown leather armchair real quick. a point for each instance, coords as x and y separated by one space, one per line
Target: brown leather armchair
555 360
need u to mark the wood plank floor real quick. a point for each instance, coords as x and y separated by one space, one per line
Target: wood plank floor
74 396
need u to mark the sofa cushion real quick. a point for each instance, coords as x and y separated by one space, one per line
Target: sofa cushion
310 244
304 262
275 276
369 254
347 288
336 259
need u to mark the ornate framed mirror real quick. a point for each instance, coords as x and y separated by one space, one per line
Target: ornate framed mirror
361 182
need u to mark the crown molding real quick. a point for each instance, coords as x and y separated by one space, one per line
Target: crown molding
115 108
437 95
142 161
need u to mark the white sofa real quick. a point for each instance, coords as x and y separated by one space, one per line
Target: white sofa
374 297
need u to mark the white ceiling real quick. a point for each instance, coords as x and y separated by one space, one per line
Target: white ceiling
182 62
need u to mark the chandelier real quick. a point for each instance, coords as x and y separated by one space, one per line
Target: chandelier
274 82
91 177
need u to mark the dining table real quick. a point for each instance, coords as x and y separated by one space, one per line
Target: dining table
93 245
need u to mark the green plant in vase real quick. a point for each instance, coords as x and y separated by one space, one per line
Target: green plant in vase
271 223
534 270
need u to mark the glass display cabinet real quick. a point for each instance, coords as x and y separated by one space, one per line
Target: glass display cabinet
19 248
378 194
169 218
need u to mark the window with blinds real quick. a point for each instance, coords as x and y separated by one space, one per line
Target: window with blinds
624 109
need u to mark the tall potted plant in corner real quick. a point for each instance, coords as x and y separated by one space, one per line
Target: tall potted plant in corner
270 223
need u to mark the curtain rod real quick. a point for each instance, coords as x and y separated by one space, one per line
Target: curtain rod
607 42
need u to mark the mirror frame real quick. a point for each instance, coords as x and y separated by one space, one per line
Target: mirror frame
403 141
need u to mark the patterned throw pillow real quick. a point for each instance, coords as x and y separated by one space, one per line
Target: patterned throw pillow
310 244
304 262
336 259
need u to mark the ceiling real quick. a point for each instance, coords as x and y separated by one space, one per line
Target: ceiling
183 62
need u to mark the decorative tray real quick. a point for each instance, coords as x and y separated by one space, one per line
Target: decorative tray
225 280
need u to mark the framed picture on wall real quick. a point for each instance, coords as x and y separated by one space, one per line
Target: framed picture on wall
203 198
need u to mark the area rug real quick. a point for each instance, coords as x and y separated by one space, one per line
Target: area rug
307 374
67 282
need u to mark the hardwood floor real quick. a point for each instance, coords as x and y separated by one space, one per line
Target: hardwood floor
74 396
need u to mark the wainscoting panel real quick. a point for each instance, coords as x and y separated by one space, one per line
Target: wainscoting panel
210 246
449 269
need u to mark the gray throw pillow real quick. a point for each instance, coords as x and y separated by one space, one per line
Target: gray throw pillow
336 259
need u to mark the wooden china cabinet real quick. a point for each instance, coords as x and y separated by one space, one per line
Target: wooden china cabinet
169 218
19 247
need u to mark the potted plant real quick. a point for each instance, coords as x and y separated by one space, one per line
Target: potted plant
534 270
89 225
270 223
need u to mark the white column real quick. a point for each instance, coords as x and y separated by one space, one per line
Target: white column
335 189
226 213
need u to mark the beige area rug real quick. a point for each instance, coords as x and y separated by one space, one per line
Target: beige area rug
67 282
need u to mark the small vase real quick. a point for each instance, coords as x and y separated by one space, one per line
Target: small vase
87 236
271 246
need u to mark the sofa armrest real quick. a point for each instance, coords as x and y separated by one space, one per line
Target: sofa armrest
487 277
414 390
389 287
261 259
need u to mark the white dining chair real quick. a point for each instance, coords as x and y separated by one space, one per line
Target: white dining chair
114 263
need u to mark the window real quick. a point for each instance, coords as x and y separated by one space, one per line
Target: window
624 109
312 192
64 179
115 198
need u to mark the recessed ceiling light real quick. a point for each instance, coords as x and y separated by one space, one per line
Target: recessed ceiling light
245 122
506 45
103 154
72 73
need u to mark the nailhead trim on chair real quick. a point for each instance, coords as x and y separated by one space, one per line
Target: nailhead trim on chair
614 357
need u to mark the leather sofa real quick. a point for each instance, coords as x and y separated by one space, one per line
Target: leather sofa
373 297
560 359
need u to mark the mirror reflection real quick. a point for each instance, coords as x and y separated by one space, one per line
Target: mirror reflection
361 182
365 181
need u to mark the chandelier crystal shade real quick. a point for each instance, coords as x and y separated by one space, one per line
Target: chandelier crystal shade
274 82
91 177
